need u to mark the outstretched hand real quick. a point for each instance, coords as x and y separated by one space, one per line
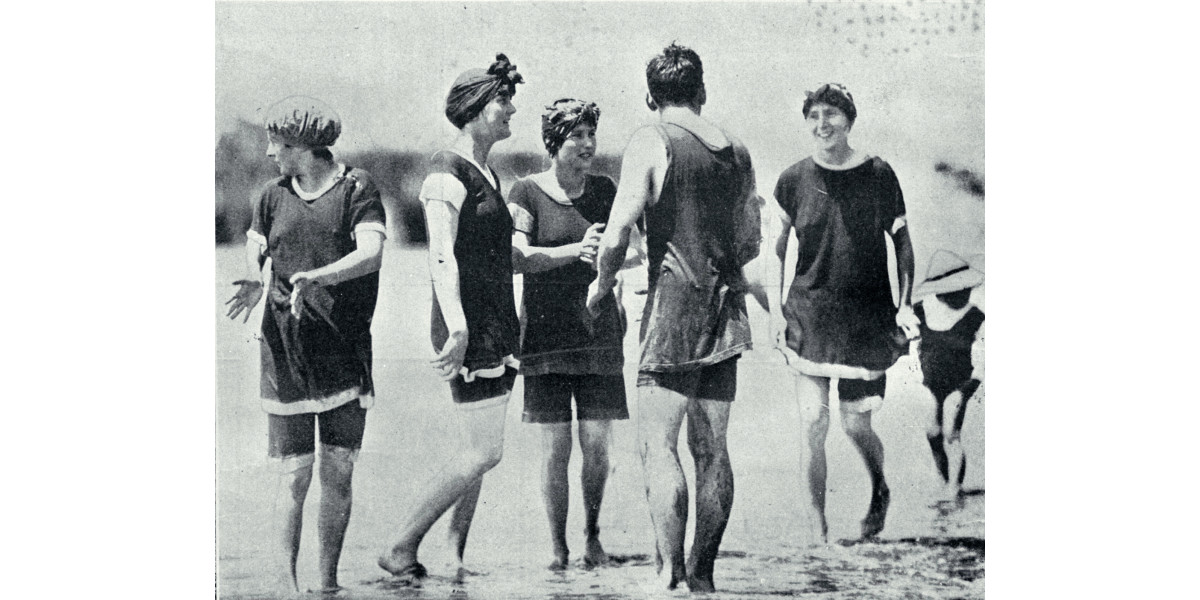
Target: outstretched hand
449 361
244 299
590 245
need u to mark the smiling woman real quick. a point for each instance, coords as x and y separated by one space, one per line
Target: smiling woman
558 217
474 320
838 320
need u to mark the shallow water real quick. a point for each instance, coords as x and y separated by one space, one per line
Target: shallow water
926 550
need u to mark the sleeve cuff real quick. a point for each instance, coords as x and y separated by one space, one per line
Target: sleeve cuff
444 187
900 223
522 220
369 226
256 237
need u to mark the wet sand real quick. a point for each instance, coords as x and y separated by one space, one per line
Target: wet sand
925 551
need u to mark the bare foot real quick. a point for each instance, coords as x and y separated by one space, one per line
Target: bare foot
461 573
403 567
877 513
668 580
818 530
952 491
595 555
285 586
701 585
558 564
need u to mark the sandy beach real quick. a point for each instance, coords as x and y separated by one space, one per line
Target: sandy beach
926 550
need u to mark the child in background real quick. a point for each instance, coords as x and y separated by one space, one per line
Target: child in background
950 329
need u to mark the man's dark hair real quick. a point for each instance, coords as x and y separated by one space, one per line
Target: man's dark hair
675 76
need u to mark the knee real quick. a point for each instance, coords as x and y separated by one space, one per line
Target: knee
656 450
706 450
559 454
596 455
296 482
857 424
337 469
489 459
481 460
814 420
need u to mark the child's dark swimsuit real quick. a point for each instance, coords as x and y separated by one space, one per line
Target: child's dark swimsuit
946 355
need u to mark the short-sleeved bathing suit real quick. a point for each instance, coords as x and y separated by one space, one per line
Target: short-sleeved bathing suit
695 314
566 352
321 361
946 355
841 320
483 251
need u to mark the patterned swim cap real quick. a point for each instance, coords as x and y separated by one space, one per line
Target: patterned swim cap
562 117
303 120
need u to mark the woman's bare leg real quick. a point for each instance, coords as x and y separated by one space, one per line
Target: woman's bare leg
291 490
594 439
813 396
556 455
483 431
337 470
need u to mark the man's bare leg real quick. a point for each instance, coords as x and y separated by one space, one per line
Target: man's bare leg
708 421
813 397
594 439
858 426
483 430
460 525
660 415
291 490
556 455
337 470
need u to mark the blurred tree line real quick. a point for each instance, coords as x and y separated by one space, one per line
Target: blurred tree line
243 168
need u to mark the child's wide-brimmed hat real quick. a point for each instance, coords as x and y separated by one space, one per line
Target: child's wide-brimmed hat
948 272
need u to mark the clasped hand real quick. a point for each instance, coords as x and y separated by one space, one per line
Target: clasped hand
301 282
590 244
907 320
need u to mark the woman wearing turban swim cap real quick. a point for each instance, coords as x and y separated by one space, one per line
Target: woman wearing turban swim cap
558 218
474 88
838 319
323 226
475 330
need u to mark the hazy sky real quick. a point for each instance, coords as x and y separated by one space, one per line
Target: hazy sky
915 68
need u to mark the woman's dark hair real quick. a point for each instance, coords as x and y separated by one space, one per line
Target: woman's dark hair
676 76
833 94
322 153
